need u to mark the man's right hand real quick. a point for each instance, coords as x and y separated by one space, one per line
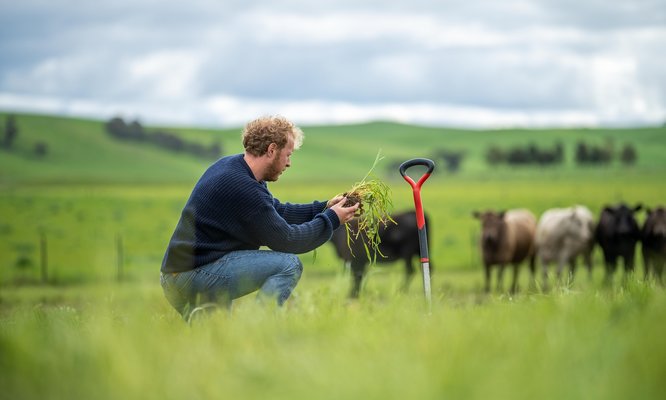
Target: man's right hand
345 214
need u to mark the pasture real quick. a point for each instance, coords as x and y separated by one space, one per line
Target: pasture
86 329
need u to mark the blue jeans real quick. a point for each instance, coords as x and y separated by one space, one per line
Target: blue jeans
234 275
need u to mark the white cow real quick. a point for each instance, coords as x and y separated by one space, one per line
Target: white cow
562 235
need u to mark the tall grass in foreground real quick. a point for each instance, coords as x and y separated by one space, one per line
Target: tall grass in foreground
125 342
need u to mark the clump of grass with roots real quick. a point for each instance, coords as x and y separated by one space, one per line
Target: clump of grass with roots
375 201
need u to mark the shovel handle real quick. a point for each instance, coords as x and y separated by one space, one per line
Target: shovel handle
413 162
416 186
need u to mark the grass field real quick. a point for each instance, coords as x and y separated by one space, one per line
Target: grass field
123 342
93 204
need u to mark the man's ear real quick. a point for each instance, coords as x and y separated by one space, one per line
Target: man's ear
272 149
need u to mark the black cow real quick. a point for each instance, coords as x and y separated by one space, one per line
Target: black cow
653 237
399 241
617 234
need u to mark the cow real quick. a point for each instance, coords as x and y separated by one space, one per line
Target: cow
399 241
653 239
507 237
617 233
562 235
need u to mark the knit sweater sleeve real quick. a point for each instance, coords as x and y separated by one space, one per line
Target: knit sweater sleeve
298 213
269 228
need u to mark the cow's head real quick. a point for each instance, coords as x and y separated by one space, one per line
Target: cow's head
655 223
492 226
624 222
578 224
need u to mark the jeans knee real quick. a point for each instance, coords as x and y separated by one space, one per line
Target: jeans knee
294 266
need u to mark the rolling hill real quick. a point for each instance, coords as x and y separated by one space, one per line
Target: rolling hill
80 151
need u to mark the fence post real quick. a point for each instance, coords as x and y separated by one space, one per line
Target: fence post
43 245
119 257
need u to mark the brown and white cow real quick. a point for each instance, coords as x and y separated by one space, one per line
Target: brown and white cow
562 235
653 238
507 237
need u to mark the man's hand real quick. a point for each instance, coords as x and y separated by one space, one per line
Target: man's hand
345 214
335 200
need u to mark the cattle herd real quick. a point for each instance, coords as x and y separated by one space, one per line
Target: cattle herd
562 236
558 238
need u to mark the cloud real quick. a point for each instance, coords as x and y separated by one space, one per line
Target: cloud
455 62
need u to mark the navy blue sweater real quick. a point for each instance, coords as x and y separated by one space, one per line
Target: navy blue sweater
230 210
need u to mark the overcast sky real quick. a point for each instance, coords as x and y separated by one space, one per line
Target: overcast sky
221 63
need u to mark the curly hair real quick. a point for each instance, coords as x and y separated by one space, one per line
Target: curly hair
263 131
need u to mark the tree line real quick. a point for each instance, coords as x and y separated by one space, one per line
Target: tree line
585 154
528 154
134 131
591 154
9 133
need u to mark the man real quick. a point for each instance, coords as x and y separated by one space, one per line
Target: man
214 256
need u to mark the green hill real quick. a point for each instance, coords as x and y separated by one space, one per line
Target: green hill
80 151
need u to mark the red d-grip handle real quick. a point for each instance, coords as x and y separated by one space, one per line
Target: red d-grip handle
416 186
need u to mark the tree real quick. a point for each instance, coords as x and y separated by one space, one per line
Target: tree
495 155
582 153
215 150
41 149
452 159
11 131
116 127
136 131
628 154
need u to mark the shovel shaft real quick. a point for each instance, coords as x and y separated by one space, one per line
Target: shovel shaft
423 244
425 264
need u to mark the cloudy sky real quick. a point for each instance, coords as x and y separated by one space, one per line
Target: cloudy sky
470 63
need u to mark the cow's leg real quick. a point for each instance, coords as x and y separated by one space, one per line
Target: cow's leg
358 271
500 277
611 263
486 268
628 266
646 264
514 281
658 268
544 272
610 268
560 267
587 259
532 265
409 273
572 269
